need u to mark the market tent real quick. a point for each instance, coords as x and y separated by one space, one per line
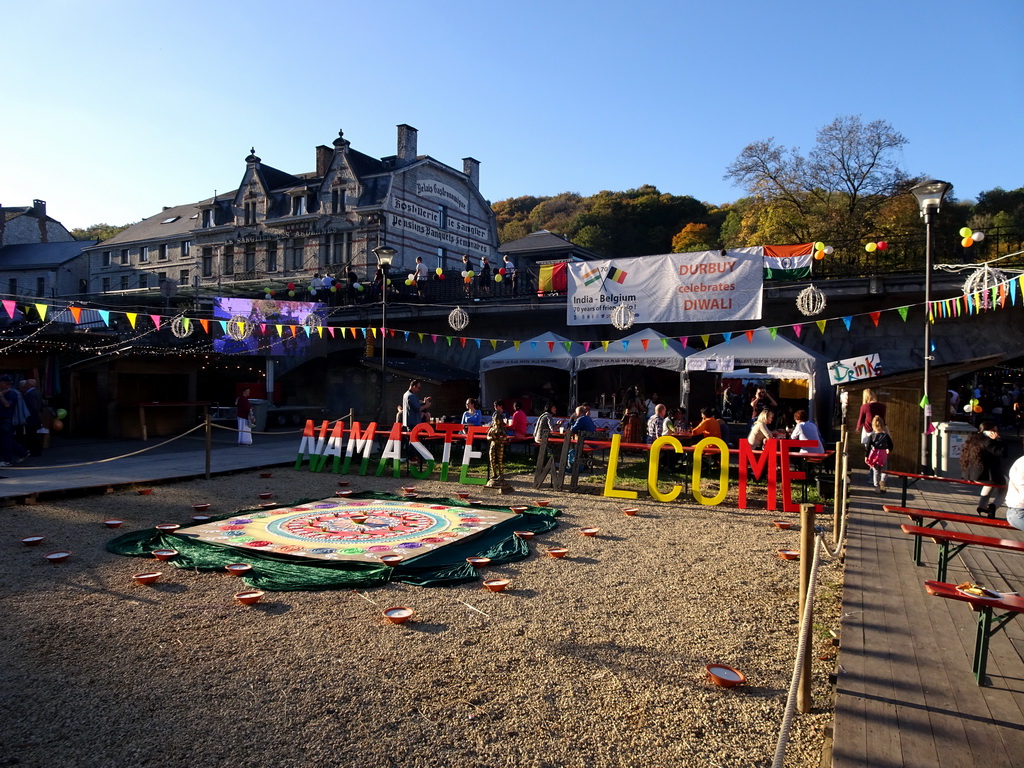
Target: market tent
645 348
777 357
528 365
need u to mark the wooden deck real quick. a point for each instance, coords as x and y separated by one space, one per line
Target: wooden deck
906 695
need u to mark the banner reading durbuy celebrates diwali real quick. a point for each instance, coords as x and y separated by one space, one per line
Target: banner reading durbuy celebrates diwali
703 286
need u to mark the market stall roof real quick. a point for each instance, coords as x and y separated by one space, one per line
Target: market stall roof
762 351
548 349
771 373
646 347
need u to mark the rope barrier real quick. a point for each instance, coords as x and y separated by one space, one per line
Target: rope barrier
794 684
254 432
820 544
112 458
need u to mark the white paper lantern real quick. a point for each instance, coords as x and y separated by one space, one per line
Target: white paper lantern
983 279
810 301
239 327
180 328
458 319
623 317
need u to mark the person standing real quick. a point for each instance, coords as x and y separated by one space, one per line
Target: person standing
484 280
1015 495
10 451
34 421
879 446
632 426
869 409
981 460
420 276
761 401
412 406
243 410
512 279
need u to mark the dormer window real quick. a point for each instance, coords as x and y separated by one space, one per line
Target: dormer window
298 205
208 220
250 213
337 200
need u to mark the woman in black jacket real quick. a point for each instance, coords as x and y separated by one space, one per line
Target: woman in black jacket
982 461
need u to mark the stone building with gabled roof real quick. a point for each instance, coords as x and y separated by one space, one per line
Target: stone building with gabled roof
38 256
278 227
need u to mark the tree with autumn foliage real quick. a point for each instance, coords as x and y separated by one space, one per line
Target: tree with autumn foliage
832 193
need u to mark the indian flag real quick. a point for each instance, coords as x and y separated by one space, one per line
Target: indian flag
616 275
788 262
591 276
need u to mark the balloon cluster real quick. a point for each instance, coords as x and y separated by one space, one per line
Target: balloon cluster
970 237
973 407
821 250
881 245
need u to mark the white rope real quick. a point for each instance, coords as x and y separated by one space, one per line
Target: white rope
805 631
112 458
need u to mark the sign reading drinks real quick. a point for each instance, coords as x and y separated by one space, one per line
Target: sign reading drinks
854 369
703 286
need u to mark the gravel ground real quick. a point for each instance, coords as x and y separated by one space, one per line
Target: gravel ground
595 660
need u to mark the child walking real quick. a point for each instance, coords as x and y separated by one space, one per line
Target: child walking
878 445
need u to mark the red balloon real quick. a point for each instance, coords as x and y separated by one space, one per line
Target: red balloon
291 286
882 245
501 271
441 276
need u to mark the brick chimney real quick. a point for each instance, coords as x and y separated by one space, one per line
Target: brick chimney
471 168
324 154
39 211
406 144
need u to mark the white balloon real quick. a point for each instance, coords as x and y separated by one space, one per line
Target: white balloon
828 250
465 273
968 408
978 237
357 286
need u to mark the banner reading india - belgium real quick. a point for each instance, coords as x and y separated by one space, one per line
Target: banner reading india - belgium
701 286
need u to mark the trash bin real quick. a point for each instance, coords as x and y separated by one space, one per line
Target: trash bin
947 443
260 406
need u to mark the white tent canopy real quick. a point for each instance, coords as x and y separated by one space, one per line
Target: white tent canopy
549 350
781 357
763 351
646 347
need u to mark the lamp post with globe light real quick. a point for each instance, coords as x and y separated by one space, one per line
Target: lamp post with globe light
385 255
929 196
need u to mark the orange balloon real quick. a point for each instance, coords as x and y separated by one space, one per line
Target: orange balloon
819 255
57 425
977 409
967 242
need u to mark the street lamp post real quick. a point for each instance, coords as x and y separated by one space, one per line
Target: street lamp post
929 196
384 254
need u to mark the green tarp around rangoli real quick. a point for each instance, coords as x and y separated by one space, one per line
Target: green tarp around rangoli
282 573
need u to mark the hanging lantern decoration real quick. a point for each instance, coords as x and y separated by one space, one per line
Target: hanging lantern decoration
240 327
458 319
313 320
810 301
623 317
180 328
983 280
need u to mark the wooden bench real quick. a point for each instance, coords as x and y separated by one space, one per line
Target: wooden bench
920 515
951 543
911 478
989 622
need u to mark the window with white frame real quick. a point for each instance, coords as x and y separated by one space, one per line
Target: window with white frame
105 259
296 255
184 249
272 257
143 254
183 277
161 252
228 262
207 262
250 258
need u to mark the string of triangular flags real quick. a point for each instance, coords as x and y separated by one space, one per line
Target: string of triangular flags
994 297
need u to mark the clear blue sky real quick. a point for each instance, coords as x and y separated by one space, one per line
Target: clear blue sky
112 109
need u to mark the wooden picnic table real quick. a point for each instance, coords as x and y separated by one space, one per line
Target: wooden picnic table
989 622
952 543
920 515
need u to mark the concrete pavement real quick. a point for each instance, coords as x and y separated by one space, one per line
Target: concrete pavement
82 466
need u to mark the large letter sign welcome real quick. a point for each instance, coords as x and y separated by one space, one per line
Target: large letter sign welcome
772 463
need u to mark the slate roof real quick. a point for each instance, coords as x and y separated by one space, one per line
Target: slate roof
41 255
21 210
543 243
153 228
